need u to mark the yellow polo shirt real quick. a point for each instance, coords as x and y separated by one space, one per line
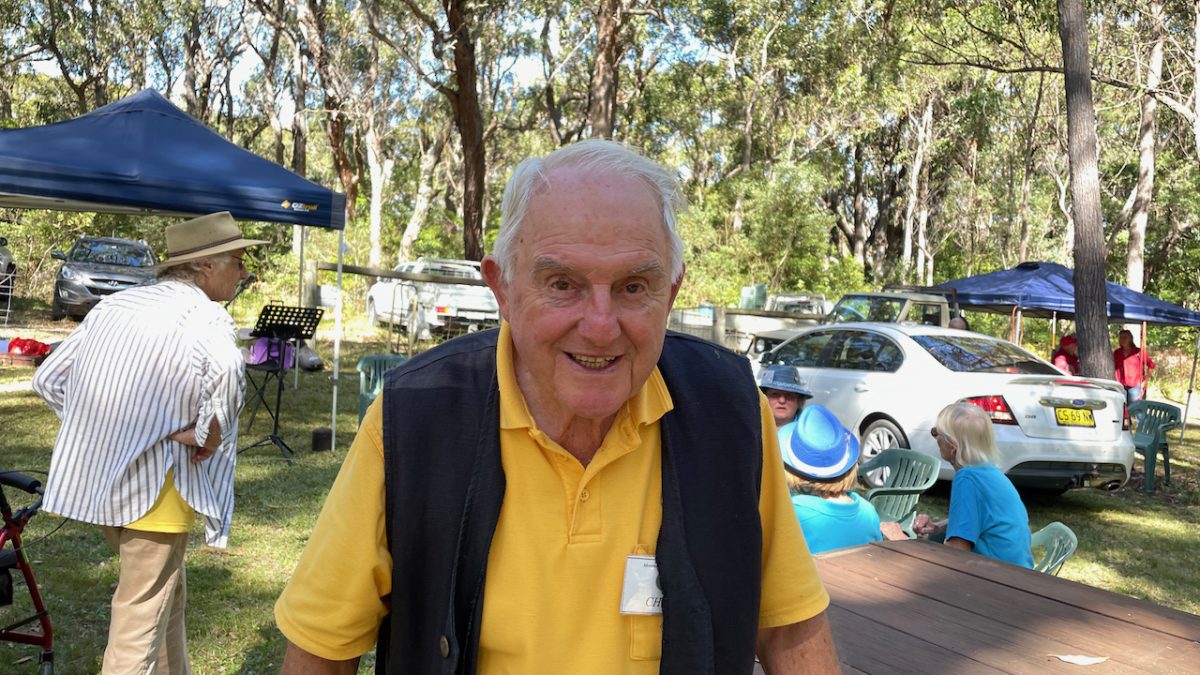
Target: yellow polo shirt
557 561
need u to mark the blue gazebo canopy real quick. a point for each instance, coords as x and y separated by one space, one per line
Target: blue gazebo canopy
1045 289
142 155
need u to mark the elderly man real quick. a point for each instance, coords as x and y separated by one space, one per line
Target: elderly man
148 389
578 492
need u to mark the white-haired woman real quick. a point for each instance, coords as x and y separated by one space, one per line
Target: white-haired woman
986 513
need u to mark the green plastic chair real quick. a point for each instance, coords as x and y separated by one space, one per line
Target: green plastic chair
905 474
370 377
1058 543
1152 420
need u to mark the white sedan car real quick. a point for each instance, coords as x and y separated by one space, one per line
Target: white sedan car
888 382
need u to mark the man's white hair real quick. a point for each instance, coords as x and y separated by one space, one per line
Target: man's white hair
595 157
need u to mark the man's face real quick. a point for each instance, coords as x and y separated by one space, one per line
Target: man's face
1072 349
784 405
589 296
221 276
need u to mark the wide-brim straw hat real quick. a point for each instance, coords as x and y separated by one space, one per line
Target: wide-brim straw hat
204 236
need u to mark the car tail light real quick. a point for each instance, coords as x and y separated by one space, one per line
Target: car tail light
1125 424
442 309
996 408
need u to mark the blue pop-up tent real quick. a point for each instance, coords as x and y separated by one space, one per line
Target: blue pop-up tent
142 155
1043 289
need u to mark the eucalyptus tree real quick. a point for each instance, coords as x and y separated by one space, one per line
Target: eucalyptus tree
214 40
265 90
1090 292
83 40
452 70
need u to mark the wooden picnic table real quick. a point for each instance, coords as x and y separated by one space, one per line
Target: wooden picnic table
920 607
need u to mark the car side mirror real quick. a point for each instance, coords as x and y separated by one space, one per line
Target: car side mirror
3 241
58 255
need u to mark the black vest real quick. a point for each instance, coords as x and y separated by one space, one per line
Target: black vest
445 485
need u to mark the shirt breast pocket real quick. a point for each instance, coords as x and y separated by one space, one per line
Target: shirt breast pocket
645 637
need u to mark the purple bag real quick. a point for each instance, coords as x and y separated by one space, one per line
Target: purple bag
269 349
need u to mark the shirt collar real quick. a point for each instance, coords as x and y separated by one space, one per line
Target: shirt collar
647 406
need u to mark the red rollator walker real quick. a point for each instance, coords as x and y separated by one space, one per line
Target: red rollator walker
12 557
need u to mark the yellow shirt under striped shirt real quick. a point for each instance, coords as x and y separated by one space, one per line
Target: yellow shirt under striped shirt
169 514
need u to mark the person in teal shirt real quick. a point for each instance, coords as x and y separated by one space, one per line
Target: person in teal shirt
986 513
821 458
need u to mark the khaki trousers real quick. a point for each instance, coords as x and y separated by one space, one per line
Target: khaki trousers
146 635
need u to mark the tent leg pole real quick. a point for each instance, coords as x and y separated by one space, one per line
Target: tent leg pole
1191 385
1053 331
299 303
337 341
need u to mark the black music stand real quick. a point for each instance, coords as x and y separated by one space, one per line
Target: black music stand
282 325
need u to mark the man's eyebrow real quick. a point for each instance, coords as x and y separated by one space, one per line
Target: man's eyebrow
652 267
548 264
544 263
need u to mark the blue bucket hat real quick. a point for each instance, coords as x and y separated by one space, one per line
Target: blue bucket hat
784 378
816 445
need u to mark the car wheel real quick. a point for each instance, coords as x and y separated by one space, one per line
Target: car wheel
57 311
877 437
372 315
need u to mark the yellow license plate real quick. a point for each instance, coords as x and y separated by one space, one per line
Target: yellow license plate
1074 417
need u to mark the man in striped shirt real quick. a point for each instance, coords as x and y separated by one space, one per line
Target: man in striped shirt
148 389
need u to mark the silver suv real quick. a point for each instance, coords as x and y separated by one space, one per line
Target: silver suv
96 267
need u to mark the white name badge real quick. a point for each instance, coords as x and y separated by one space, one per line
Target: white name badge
641 593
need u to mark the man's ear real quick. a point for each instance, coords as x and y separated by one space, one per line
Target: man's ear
494 277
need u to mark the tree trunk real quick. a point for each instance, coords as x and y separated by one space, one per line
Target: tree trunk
1144 192
380 168
335 128
468 117
430 157
924 258
1196 75
1027 176
191 47
602 101
858 243
299 124
921 143
1090 293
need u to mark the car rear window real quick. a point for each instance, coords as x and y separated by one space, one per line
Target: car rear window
453 271
969 354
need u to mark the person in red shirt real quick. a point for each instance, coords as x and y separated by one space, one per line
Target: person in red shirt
1066 357
1132 367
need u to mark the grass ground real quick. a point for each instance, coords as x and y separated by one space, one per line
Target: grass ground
1130 543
